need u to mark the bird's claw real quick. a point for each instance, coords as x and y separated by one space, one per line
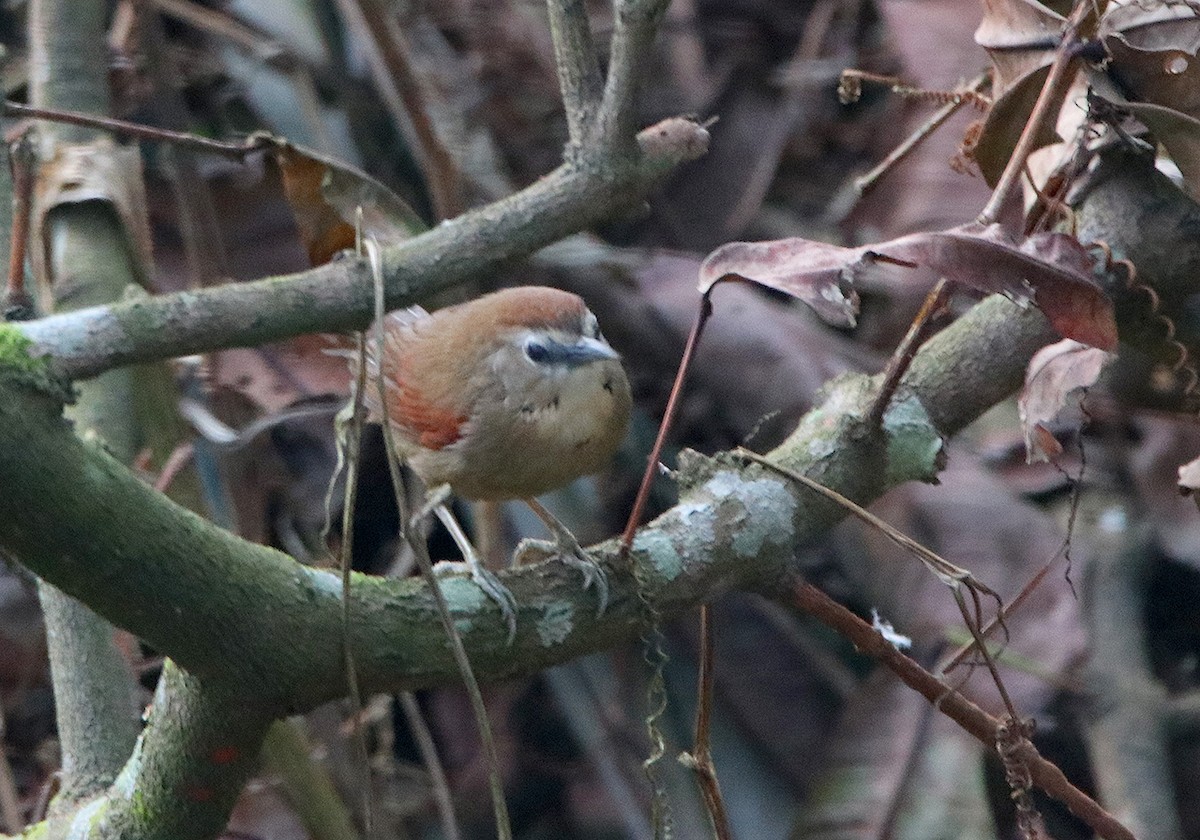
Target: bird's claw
569 551
486 580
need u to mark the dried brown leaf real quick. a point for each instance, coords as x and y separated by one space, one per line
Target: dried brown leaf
1019 36
1006 120
1152 26
814 272
1152 59
1055 373
1053 271
325 194
1169 77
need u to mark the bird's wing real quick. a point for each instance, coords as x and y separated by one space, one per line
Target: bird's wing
421 396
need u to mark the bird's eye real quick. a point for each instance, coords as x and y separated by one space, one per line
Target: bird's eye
536 351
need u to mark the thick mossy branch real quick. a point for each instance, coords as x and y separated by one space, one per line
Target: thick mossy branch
226 609
19 365
199 746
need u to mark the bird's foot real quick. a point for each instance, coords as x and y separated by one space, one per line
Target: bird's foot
567 549
486 580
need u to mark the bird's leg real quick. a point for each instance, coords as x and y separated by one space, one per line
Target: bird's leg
568 549
483 576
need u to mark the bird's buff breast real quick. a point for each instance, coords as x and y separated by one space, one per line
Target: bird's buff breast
535 444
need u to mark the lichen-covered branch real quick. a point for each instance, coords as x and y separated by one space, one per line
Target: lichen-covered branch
232 613
171 578
199 747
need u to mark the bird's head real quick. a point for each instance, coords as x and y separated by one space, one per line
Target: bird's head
546 346
539 332
506 396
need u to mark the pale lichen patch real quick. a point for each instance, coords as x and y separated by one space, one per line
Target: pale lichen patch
698 520
462 594
556 623
768 510
321 581
126 781
914 446
661 552
86 819
821 431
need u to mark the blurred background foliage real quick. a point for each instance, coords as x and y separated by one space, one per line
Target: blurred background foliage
810 741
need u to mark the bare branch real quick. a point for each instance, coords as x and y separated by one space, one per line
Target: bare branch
338 296
962 711
578 68
634 29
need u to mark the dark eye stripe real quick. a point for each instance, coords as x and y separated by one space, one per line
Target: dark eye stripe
550 352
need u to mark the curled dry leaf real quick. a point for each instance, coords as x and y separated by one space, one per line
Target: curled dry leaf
1006 120
1019 36
814 272
1169 77
1150 56
324 195
1178 133
78 173
1053 271
1055 373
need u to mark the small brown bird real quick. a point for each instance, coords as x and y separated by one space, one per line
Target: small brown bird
505 397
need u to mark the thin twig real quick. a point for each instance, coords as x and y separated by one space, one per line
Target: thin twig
179 458
578 68
699 760
1048 103
867 182
652 638
946 571
899 363
441 170
433 765
955 577
850 89
962 711
18 305
643 494
1007 610
353 426
86 342
234 151
421 551
973 622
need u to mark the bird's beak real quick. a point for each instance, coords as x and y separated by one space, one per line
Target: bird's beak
583 351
